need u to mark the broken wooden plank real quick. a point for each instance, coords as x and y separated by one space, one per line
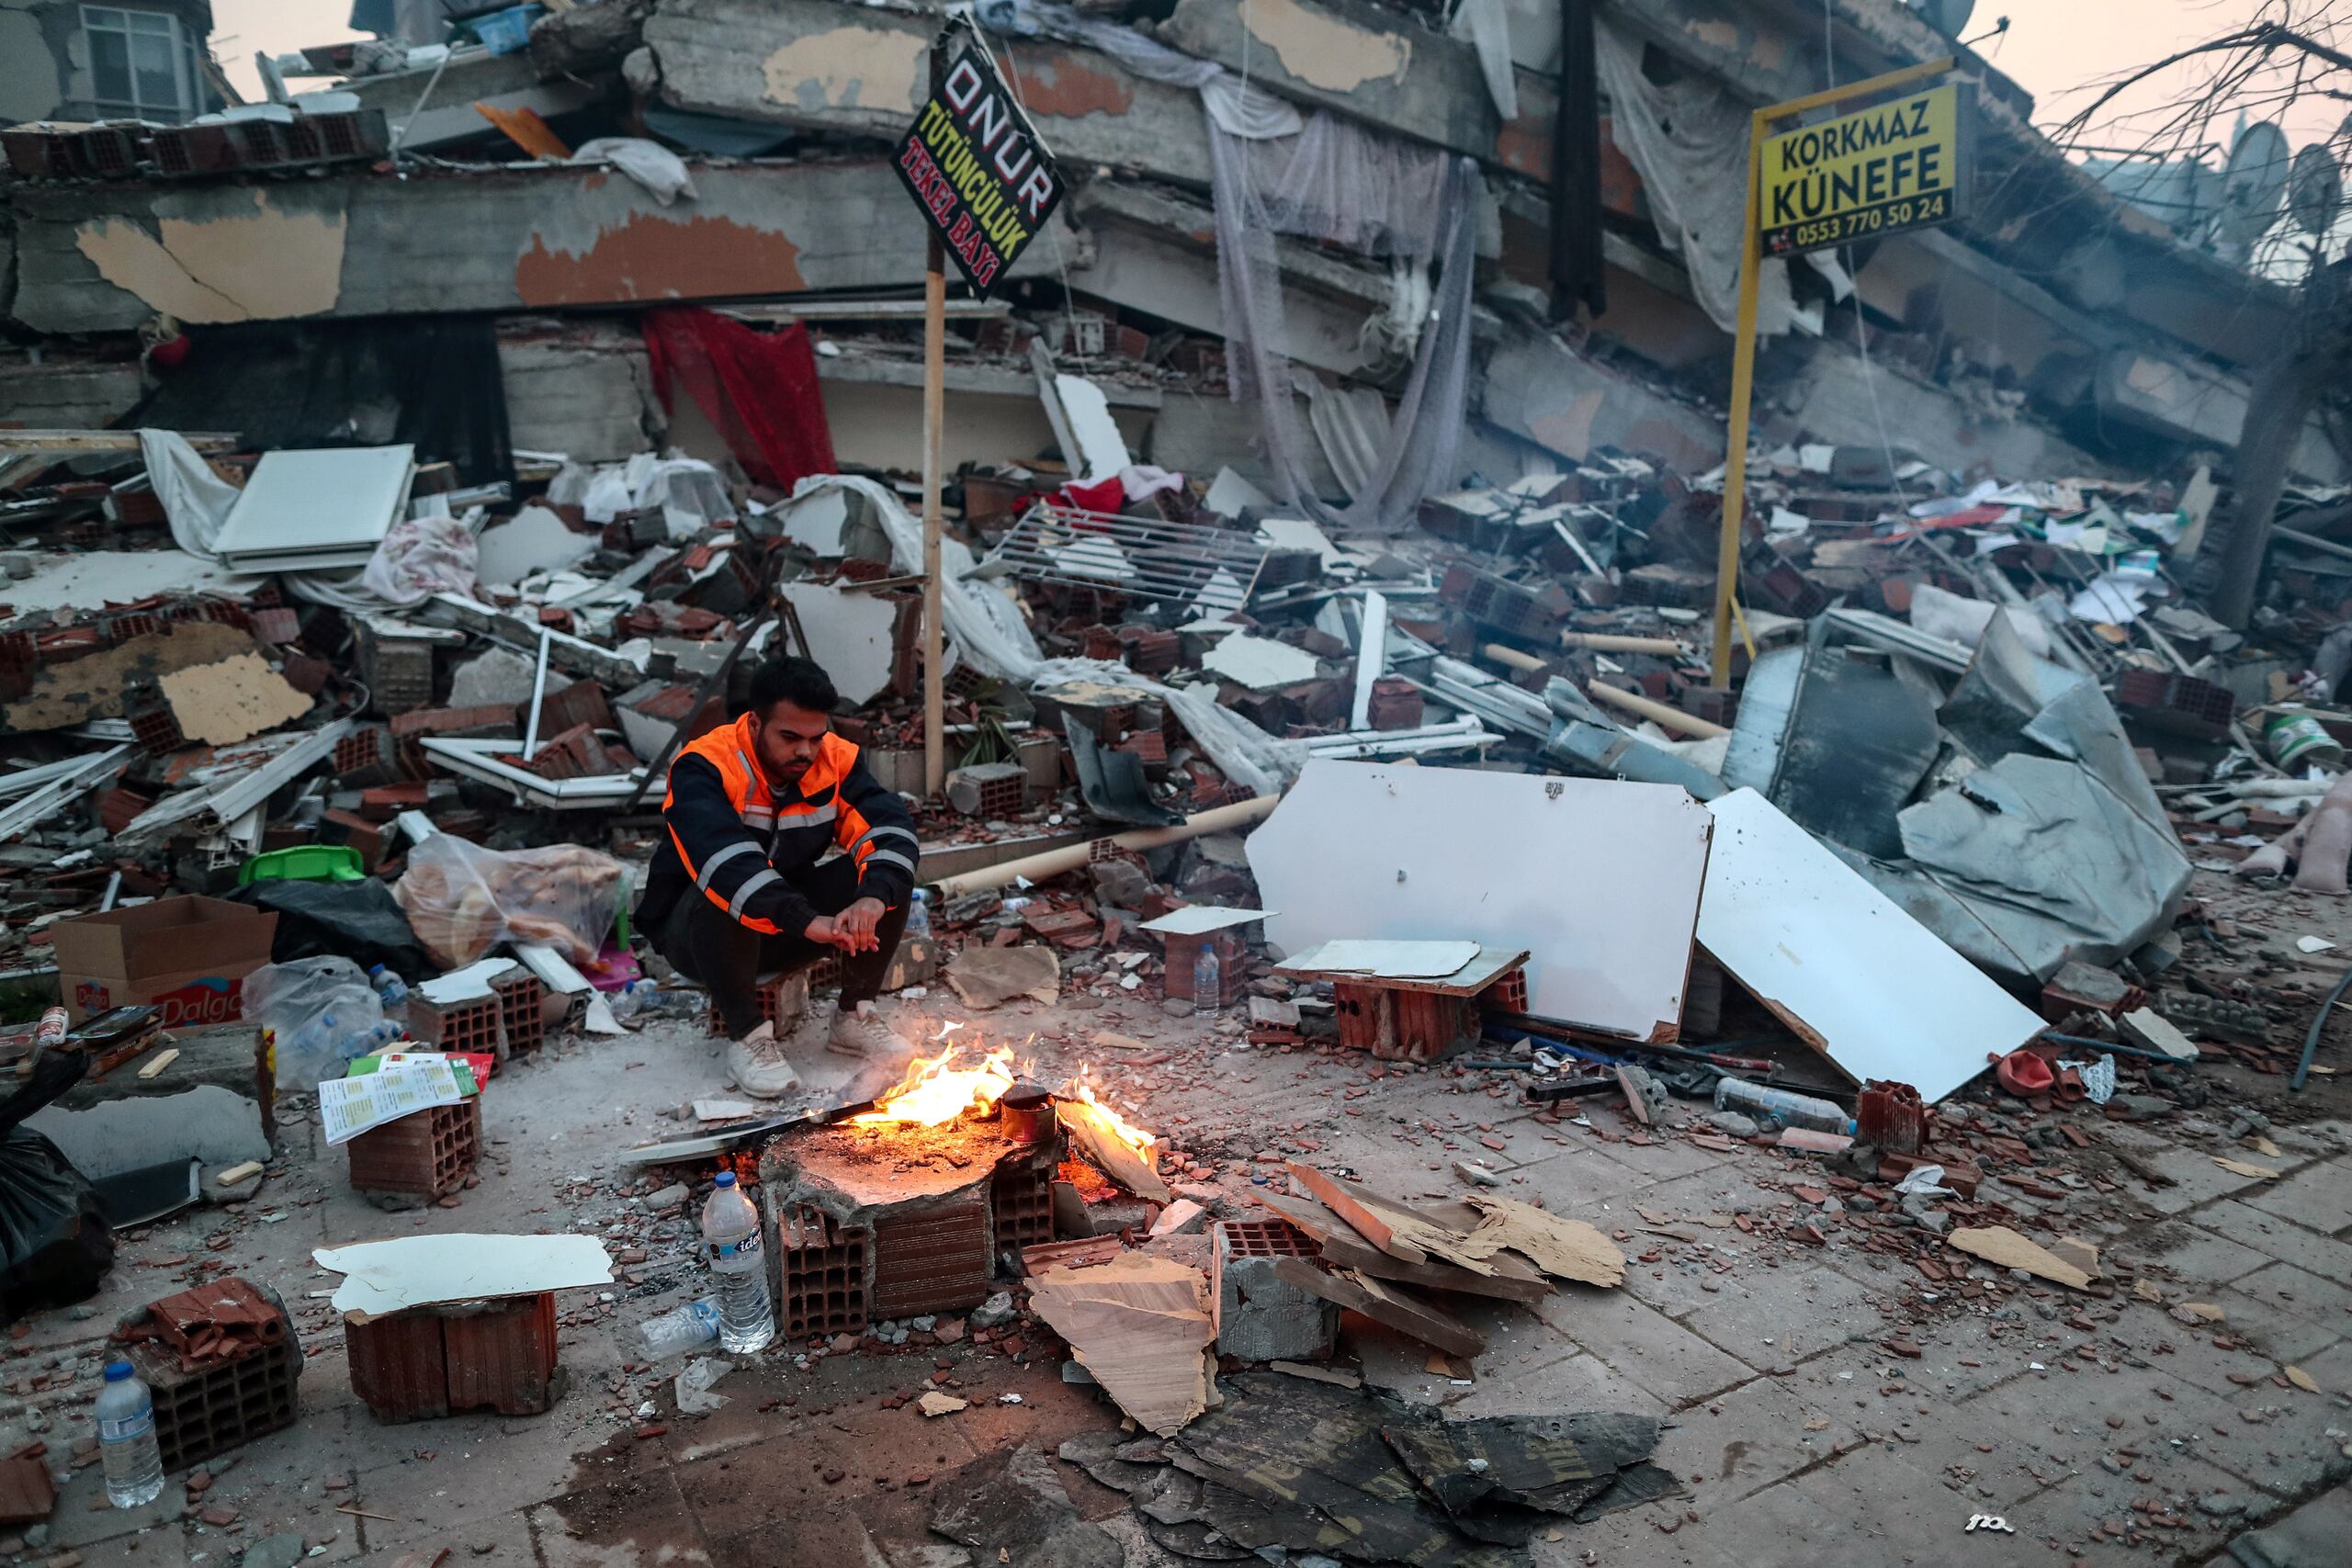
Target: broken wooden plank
1342 1244
1564 1249
1099 1141
1383 1303
1512 1280
1399 1229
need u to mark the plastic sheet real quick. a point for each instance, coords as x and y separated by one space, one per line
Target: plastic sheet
650 164
462 899
296 1000
1688 139
55 1248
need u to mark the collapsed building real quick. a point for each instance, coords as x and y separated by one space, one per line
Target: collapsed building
2052 332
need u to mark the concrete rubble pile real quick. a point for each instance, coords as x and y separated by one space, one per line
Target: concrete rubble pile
355 605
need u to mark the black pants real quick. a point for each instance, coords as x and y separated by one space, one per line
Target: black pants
728 958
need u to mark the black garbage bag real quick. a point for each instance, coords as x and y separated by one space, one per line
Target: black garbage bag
359 920
55 1244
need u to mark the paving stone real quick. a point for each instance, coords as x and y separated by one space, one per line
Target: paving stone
2186 1245
2284 1239
1781 1317
642 1520
1644 1345
2066 1517
1749 1437
2313 1536
2312 1195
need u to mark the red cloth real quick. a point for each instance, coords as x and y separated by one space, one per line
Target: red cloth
759 389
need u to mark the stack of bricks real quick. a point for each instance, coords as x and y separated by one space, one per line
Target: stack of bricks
783 996
426 1154
221 1365
822 1269
428 1362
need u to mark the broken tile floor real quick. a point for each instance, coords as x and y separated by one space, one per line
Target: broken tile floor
2100 1430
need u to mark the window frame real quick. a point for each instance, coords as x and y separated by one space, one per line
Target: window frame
188 81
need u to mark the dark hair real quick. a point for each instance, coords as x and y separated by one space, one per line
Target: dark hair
800 682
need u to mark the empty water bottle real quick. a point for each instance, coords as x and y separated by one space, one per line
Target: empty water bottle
919 914
1208 979
134 1465
692 1326
646 998
1780 1107
730 1237
393 991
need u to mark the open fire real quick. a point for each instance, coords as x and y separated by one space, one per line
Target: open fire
1081 1092
940 1088
936 1090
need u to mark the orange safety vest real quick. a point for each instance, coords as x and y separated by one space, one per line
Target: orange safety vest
769 817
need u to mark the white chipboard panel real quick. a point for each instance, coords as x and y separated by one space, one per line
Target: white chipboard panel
1881 995
1597 878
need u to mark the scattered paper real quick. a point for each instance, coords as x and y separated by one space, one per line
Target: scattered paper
2240 1167
348 1107
2313 944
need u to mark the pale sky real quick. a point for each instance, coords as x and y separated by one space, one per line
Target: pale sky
2052 48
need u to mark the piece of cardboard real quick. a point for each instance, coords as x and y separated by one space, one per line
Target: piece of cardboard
187 955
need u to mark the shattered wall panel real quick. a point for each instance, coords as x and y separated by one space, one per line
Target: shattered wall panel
1373 66
823 66
585 392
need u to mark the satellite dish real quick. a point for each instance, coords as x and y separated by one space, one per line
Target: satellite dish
2314 189
1946 17
2253 185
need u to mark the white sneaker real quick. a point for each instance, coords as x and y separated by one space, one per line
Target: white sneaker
756 1063
860 1031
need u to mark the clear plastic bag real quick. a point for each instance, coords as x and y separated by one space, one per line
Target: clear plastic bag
462 900
316 1008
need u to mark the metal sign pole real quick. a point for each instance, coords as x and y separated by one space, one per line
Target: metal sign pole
934 401
1743 364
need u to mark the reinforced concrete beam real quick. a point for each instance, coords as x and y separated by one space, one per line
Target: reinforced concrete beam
105 258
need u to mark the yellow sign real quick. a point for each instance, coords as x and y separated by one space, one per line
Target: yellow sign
1899 165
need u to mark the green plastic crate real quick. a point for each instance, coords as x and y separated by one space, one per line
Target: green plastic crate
304 862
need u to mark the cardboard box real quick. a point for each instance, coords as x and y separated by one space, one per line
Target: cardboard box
187 955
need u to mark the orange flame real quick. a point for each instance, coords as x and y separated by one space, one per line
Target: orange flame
936 1091
1117 1125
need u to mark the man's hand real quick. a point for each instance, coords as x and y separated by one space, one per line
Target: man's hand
858 922
826 929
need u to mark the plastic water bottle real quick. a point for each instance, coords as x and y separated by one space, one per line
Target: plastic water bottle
1780 1107
731 1238
394 992
647 999
134 1465
919 914
1208 979
692 1326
